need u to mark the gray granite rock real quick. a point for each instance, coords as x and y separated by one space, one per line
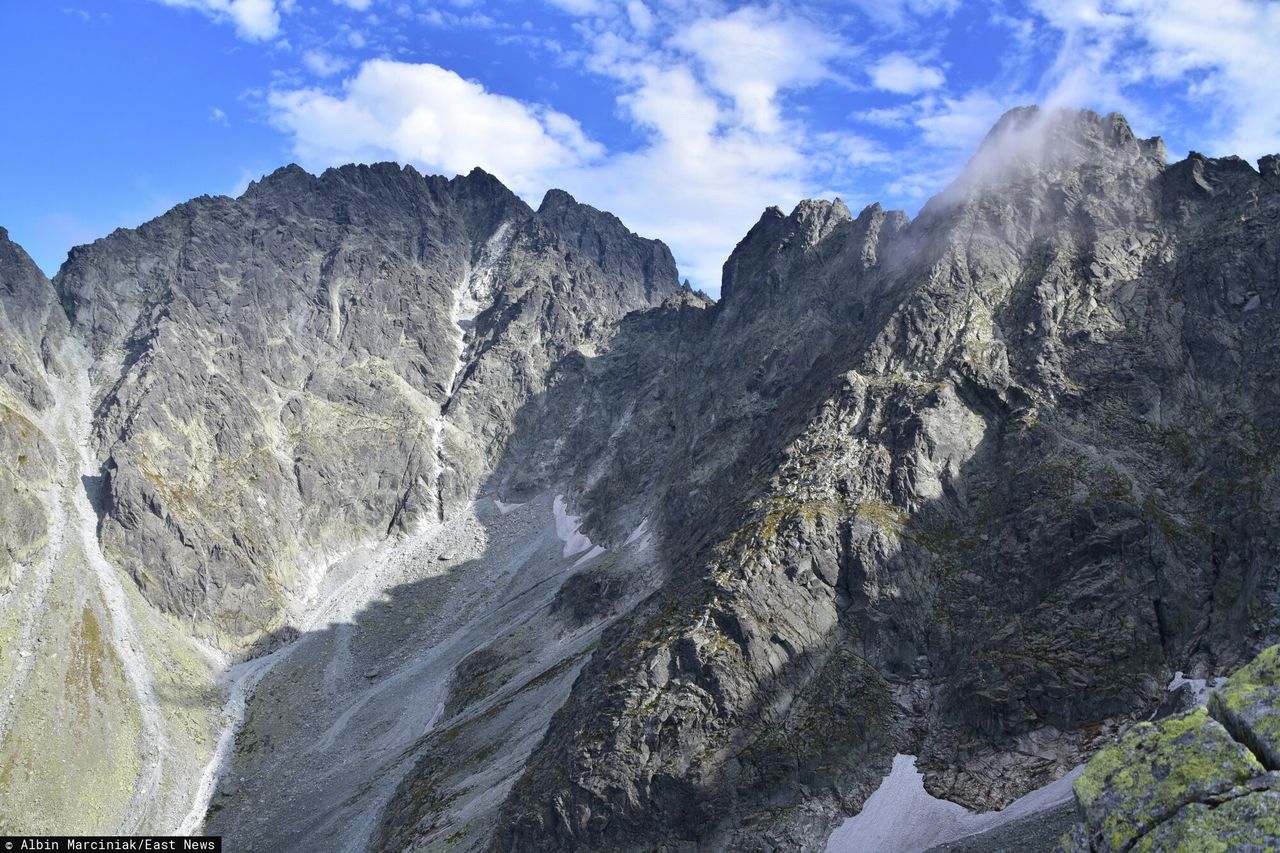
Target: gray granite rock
969 486
1011 457
31 325
322 362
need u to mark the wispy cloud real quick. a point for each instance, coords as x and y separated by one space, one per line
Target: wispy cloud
705 95
414 113
901 74
727 107
255 20
324 64
1224 60
753 54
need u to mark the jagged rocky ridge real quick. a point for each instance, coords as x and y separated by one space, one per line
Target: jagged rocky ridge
968 486
991 475
30 325
323 361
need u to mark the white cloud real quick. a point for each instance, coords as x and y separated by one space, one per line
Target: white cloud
901 14
254 19
358 5
432 117
902 75
720 144
324 64
752 54
1225 60
219 116
899 116
945 131
715 141
951 124
579 7
640 16
697 183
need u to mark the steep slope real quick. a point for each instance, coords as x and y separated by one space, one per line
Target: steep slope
321 363
1019 468
399 515
86 744
263 414
30 327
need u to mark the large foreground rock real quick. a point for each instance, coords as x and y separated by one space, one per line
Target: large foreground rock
1193 781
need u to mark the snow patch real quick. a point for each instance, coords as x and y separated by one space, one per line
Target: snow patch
638 532
902 817
575 541
435 717
595 551
477 294
506 508
1201 686
474 294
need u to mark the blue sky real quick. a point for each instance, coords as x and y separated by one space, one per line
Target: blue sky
686 119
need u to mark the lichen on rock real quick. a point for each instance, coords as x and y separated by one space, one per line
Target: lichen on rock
1193 781
1249 706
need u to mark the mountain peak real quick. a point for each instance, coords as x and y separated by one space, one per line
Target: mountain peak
1044 130
555 199
1046 145
608 242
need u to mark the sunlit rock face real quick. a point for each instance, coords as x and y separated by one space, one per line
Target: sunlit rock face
31 324
323 361
527 546
968 487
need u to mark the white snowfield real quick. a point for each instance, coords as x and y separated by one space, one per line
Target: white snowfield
902 817
575 541
1200 686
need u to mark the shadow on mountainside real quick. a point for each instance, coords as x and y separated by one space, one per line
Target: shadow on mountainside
945 497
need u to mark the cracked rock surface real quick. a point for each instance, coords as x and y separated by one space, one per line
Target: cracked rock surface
324 361
31 325
1202 780
968 487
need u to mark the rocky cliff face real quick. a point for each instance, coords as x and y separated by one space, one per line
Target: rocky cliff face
30 323
323 362
662 572
992 503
